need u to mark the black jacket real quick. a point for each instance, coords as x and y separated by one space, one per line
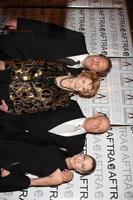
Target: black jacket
34 128
21 158
41 40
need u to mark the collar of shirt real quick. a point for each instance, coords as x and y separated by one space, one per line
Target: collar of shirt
76 125
78 58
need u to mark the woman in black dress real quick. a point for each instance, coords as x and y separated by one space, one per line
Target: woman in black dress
49 163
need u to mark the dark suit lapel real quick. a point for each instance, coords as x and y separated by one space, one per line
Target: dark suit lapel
43 121
67 113
74 71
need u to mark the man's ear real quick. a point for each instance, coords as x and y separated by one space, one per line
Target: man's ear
96 114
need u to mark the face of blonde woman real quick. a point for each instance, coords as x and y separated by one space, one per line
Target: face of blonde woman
82 163
81 84
96 63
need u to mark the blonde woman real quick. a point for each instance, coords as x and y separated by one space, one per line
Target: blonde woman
40 85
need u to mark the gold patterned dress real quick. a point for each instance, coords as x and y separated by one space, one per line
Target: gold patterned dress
32 86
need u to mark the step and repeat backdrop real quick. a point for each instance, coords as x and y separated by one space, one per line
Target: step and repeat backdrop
106 28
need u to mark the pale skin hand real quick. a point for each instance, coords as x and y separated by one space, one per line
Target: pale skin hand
57 178
67 175
12 24
3 106
2 65
4 172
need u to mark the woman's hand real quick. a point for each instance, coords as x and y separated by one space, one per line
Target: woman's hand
62 176
67 175
3 106
12 24
2 65
4 172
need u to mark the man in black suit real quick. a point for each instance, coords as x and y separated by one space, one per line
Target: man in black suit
53 127
45 40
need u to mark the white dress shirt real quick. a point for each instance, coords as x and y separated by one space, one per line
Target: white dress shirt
70 128
77 58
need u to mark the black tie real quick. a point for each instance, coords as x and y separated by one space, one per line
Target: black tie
68 61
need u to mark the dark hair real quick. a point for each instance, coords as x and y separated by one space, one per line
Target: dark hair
93 166
91 170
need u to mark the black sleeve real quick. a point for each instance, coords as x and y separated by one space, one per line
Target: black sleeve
77 144
14 183
46 28
75 71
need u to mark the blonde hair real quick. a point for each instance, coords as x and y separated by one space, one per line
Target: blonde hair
92 75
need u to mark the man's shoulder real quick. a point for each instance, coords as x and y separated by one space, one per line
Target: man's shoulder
73 106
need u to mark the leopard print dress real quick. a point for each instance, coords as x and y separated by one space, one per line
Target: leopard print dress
33 89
